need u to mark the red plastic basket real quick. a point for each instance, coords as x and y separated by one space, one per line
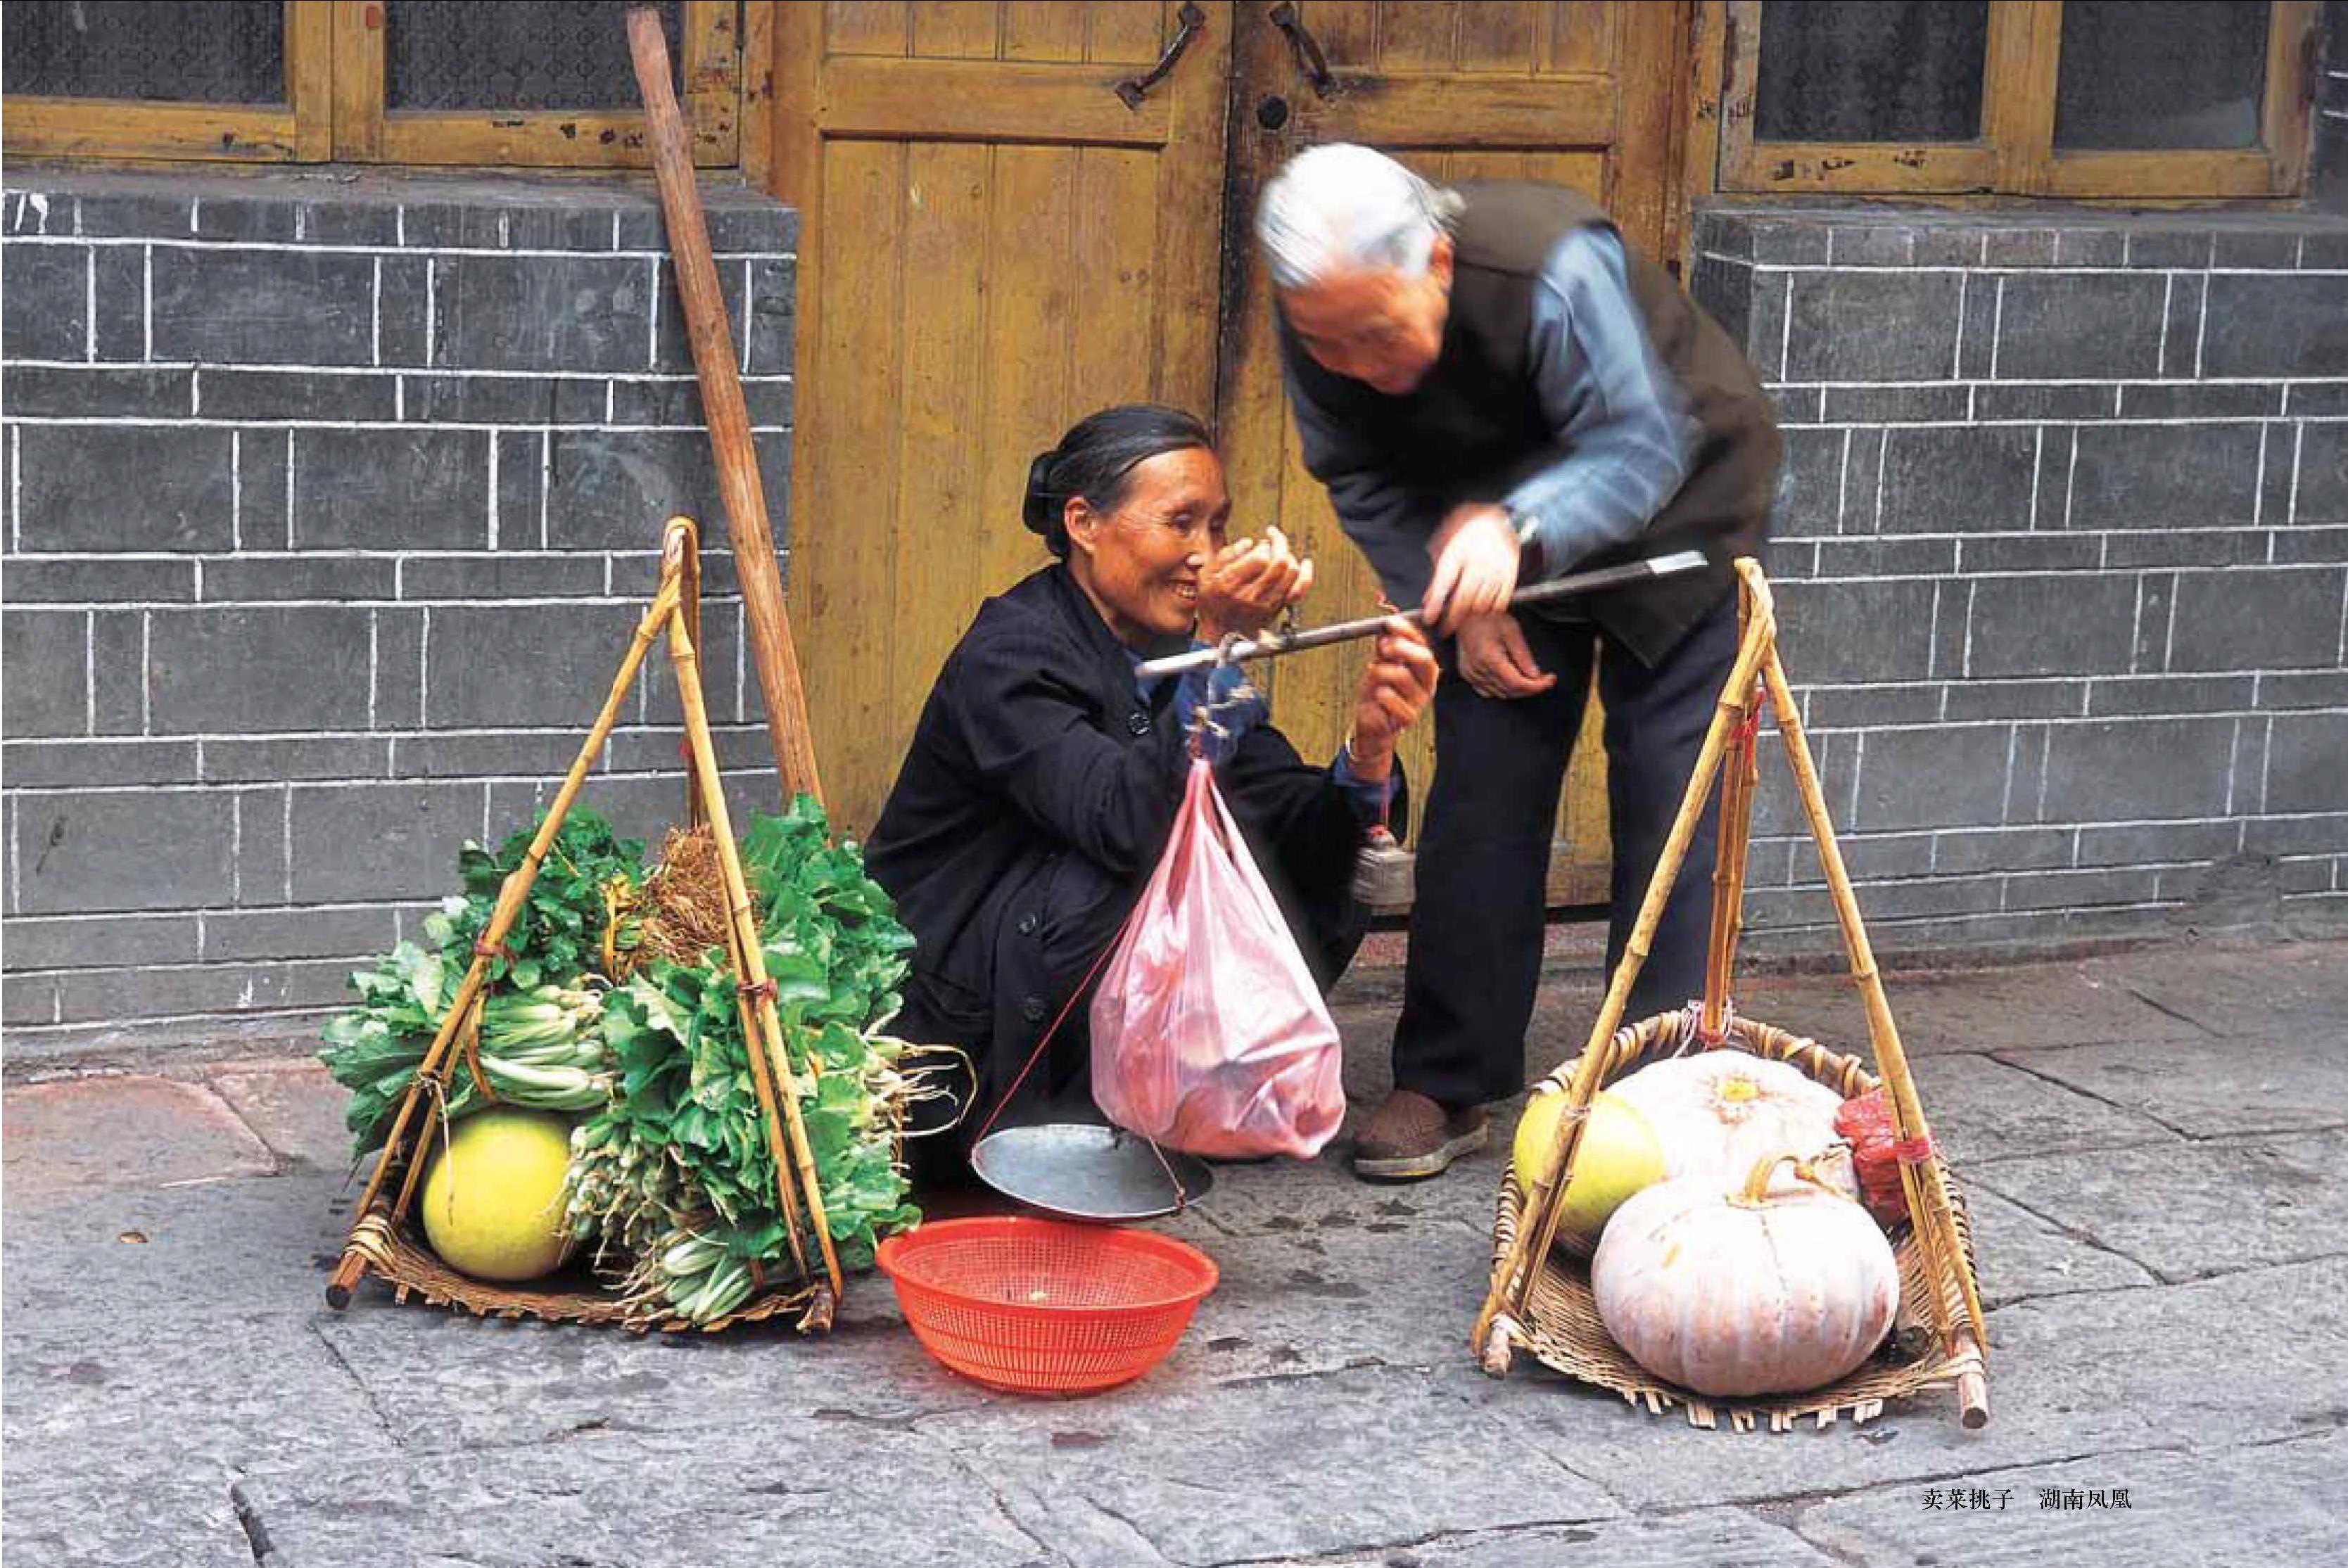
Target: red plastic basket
1044 1306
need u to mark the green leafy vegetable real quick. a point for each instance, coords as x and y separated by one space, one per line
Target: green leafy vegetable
558 933
541 1048
677 1169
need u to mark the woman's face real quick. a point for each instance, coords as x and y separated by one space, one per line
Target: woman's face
1140 561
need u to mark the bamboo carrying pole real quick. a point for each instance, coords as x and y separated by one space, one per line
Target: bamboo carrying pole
1733 738
746 529
769 1063
1740 775
762 1032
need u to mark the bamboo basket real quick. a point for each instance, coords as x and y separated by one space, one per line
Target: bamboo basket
1539 1298
1562 1329
385 1240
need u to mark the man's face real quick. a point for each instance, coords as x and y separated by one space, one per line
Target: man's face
1375 325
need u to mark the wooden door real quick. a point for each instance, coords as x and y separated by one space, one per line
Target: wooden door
1585 95
996 241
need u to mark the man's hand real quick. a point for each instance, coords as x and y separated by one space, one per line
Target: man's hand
1475 554
1395 689
1495 661
1249 583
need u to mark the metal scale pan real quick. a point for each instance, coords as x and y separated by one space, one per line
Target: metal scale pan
1080 1171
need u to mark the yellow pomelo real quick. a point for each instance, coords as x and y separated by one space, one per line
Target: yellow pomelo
1618 1155
493 1195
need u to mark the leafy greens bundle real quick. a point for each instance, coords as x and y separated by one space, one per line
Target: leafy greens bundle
680 1155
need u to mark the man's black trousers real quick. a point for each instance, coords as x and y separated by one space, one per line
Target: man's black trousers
1478 916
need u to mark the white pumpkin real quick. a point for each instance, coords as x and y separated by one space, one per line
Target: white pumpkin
1776 1287
1718 1112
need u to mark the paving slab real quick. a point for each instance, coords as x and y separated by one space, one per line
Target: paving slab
150 1522
2021 1006
2021 1256
1301 1198
1983 1109
2211 1088
1393 1293
447 1379
197 1398
1301 1467
1559 1025
2272 1506
1944 1010
294 1108
785 1495
2197 1209
2262 989
2227 1359
261 1243
1713 1537
142 1130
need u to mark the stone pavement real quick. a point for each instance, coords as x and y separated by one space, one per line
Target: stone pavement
2155 1145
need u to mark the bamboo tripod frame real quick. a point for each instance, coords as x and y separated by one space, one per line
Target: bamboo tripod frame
676 611
1731 751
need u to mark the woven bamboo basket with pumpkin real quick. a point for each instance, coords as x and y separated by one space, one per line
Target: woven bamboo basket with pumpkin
1707 1212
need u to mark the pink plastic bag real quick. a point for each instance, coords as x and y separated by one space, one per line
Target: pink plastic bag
1208 1035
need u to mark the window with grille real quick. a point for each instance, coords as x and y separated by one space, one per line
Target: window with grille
395 81
2029 97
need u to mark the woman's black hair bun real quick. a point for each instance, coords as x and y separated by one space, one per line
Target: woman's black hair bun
1041 508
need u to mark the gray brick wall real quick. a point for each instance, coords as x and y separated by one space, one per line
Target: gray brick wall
326 500
328 504
2327 185
2062 562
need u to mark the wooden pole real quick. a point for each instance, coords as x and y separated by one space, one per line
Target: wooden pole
746 529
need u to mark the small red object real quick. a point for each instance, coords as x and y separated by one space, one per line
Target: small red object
1045 1306
1877 1152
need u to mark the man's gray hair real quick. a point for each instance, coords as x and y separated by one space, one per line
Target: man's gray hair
1343 208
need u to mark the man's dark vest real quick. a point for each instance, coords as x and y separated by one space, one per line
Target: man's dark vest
1474 428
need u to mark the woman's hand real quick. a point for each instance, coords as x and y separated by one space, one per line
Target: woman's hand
1395 687
1249 583
1495 661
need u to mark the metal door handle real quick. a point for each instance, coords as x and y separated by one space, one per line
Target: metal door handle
1133 89
1307 49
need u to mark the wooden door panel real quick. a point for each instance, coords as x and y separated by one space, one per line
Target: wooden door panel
864 27
996 244
1498 36
1065 31
1573 93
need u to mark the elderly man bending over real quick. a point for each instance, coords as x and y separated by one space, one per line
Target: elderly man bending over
1495 389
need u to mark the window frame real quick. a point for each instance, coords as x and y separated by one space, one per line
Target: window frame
2015 154
335 110
368 130
300 131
